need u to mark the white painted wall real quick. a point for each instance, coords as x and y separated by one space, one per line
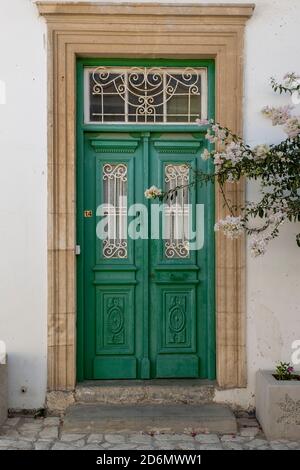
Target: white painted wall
23 203
273 282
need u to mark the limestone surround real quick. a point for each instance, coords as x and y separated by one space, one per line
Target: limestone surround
137 30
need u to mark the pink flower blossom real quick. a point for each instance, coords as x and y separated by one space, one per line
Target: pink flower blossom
278 115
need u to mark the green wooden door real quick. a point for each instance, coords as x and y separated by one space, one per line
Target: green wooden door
147 303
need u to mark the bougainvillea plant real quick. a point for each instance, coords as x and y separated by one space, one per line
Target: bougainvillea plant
276 168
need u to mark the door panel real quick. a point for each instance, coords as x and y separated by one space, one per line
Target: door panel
146 313
112 164
174 271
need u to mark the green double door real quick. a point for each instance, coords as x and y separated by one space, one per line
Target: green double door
147 302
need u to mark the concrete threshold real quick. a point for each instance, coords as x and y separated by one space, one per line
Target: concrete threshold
103 418
163 391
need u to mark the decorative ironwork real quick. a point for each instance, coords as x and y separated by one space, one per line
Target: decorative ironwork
115 193
115 171
141 94
177 213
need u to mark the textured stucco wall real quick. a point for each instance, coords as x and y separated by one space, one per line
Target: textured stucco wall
273 286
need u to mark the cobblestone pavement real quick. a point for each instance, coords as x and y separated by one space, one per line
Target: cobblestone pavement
24 433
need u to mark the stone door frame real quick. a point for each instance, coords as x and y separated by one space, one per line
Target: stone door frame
147 31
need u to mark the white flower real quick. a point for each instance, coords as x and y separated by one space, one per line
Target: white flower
258 245
277 217
261 151
291 80
205 155
292 127
231 226
153 192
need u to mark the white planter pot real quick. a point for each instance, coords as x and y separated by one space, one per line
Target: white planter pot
3 393
278 406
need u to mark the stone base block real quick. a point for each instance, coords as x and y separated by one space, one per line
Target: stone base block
278 406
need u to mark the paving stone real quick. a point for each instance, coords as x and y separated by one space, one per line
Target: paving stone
280 441
31 427
293 445
78 444
28 435
4 429
145 447
95 438
12 421
165 447
50 432
174 437
140 439
249 432
123 447
69 437
232 446
210 447
255 443
52 421
207 438
11 433
115 438
42 445
234 438
91 447
62 446
106 445
278 446
186 446
6 442
22 445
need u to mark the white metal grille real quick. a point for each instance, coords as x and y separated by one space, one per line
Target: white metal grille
177 213
115 200
145 95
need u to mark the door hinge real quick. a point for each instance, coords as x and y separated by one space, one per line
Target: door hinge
77 250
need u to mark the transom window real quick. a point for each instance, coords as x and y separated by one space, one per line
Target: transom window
145 95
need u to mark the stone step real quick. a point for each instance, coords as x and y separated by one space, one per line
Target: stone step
99 418
192 391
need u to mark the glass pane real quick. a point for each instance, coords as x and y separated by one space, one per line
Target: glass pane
115 200
177 212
